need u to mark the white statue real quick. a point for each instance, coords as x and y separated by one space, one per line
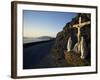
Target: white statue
83 48
75 49
69 44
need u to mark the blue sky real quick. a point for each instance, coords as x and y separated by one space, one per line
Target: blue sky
44 23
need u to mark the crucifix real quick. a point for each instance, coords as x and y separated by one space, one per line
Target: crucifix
79 26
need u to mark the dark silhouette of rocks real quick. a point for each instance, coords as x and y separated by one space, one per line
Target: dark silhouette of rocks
68 31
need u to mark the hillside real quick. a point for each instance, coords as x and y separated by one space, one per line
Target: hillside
60 48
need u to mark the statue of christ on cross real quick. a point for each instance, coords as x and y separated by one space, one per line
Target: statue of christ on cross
79 26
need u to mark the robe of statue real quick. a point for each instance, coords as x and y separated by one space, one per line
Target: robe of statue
75 49
69 44
83 48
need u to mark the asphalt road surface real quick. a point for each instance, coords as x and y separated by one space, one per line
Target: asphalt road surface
33 55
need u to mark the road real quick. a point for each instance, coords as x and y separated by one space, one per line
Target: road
33 55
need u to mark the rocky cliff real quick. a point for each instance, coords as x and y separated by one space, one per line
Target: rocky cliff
68 31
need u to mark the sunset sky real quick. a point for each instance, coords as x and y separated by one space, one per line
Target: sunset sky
43 23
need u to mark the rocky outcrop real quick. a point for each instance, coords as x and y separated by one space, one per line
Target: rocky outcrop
74 59
68 31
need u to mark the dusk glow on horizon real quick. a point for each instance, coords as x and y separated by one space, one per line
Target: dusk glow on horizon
44 23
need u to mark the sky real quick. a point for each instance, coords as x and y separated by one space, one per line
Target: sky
44 23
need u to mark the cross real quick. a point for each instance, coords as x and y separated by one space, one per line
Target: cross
79 26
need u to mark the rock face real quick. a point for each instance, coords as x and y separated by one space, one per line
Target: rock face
74 59
68 31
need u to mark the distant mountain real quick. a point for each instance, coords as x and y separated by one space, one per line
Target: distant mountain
36 39
45 37
25 37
